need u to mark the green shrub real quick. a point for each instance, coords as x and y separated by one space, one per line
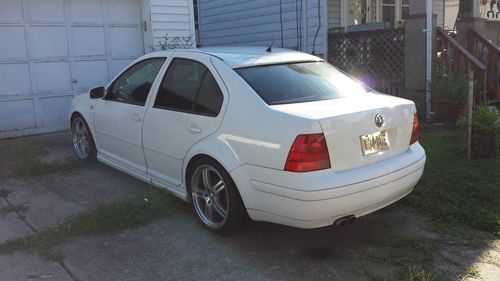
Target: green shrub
449 88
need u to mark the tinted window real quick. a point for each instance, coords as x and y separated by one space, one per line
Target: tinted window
134 84
299 82
189 86
209 99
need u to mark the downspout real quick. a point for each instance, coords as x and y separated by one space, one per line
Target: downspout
428 29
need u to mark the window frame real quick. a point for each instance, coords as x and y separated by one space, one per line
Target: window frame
195 101
109 89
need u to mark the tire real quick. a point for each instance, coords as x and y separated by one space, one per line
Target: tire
83 141
215 198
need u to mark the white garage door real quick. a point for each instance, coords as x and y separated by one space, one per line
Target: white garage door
53 49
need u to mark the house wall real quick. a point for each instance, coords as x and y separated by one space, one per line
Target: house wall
438 9
174 18
450 14
258 22
334 18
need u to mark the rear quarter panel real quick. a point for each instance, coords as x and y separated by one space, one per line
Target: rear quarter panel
251 132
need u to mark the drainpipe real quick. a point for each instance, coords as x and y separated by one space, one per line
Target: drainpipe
428 29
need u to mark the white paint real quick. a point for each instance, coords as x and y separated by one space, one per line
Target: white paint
54 49
251 140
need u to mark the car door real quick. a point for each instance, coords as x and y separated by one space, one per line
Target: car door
119 115
187 107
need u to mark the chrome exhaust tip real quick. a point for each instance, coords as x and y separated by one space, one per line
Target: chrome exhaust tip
345 220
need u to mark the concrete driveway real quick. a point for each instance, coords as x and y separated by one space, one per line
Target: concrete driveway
396 243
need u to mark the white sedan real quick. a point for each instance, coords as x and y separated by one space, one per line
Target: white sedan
278 136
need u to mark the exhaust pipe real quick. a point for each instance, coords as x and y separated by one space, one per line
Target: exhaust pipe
345 220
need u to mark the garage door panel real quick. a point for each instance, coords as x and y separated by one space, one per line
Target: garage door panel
91 74
46 10
54 111
127 11
53 77
11 10
86 11
88 41
48 41
13 42
15 79
52 49
125 41
16 115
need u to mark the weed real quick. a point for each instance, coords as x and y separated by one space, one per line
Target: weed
13 209
414 274
120 215
25 161
471 272
4 192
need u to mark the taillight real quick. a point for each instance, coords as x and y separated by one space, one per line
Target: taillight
308 153
415 132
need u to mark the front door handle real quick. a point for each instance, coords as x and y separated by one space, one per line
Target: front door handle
193 129
136 117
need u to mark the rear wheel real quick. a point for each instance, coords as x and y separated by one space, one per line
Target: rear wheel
83 142
214 197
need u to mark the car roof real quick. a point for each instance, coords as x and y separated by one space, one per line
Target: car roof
237 57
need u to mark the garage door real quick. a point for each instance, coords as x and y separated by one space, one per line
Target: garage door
51 50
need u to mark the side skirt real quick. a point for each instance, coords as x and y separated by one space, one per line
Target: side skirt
179 191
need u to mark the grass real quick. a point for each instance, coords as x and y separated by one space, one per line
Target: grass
24 160
455 191
129 213
414 274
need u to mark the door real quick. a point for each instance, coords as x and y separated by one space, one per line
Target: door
187 108
118 118
53 49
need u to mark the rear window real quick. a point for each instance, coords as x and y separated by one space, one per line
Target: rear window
299 82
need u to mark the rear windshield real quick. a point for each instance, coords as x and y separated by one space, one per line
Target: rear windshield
299 82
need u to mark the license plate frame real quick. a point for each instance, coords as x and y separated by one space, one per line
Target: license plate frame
374 143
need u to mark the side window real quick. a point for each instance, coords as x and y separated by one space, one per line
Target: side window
188 86
134 84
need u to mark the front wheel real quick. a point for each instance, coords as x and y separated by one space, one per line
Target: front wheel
83 142
215 198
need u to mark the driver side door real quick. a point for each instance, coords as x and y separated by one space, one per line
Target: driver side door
118 117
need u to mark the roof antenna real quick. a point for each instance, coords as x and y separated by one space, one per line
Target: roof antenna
269 49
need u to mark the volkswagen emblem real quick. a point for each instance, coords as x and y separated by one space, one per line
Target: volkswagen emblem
379 120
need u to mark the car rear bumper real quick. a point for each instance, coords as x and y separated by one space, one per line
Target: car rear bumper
316 199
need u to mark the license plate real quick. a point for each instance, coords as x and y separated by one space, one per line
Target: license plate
374 143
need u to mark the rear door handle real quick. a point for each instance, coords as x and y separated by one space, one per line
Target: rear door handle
136 117
193 129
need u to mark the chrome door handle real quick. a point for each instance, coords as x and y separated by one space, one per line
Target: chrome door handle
136 117
193 129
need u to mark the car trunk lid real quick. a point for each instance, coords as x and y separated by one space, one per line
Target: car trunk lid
352 135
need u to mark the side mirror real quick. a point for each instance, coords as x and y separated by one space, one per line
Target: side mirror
97 93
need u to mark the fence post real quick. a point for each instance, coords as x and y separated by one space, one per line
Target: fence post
469 112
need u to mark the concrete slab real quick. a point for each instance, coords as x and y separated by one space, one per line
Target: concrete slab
53 198
22 267
55 147
11 227
179 248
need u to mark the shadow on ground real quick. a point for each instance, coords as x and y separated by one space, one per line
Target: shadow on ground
396 243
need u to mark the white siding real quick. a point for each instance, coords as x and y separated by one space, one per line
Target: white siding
172 17
334 13
438 9
450 14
